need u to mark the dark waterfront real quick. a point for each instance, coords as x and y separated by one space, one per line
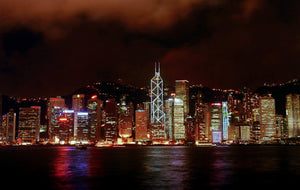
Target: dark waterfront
240 167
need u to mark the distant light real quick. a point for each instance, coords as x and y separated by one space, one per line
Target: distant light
63 119
82 113
173 94
94 97
78 95
216 104
68 111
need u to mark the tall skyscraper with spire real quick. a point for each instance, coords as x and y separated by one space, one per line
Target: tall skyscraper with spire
157 91
157 112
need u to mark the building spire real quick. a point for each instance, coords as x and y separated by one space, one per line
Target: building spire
157 67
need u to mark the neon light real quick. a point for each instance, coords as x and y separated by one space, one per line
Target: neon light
94 97
216 104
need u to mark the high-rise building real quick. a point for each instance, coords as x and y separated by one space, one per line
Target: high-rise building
293 115
141 125
157 126
281 124
29 124
178 118
244 133
157 91
111 121
95 112
78 102
281 128
169 110
77 106
182 92
126 113
190 129
65 129
83 128
125 125
201 129
54 104
54 122
215 122
225 120
8 127
267 118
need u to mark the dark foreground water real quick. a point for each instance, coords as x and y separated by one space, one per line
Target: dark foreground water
242 167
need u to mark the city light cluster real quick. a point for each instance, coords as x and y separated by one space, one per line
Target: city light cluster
164 120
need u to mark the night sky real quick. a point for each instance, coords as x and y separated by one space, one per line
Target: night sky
52 47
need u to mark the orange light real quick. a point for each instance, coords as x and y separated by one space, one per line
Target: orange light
63 119
94 97
173 94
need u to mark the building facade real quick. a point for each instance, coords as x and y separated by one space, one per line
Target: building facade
29 124
141 125
94 108
267 118
293 115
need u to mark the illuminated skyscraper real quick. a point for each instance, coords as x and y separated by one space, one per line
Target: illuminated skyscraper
157 91
95 112
215 122
201 129
225 120
293 115
126 113
29 124
8 127
53 106
65 129
169 104
157 113
178 118
54 123
83 128
78 102
182 92
244 133
111 121
141 125
125 125
267 118
77 106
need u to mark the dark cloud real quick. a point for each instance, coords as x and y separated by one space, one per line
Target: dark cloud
53 47
19 41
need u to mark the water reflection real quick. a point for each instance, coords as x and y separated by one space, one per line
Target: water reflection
70 168
221 169
166 168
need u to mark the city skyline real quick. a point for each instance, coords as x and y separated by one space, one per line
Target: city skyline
176 117
50 48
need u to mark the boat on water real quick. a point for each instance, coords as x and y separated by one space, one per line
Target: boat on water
81 146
